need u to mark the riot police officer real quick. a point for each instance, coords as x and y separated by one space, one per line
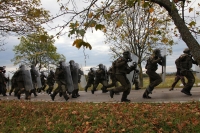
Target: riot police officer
90 81
152 66
101 76
122 68
24 82
34 75
186 62
43 81
50 81
61 81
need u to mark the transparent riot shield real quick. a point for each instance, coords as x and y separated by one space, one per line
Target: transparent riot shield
27 79
163 54
130 76
197 69
83 81
106 73
39 83
68 77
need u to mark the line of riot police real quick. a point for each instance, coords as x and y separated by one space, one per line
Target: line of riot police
122 75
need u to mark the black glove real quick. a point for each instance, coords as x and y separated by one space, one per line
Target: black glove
129 60
136 70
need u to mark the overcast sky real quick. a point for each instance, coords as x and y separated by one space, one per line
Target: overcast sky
98 54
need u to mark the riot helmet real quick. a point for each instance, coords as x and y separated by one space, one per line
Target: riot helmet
100 66
91 69
186 51
32 66
1 68
22 67
156 52
71 62
127 55
60 64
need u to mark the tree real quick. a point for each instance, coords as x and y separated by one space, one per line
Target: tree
37 49
21 17
94 13
138 30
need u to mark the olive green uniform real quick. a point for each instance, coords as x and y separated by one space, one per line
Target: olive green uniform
90 81
154 78
60 80
186 62
50 82
121 68
100 77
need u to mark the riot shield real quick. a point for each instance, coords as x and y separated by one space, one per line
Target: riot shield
83 82
39 83
197 70
163 54
130 76
106 73
27 78
74 74
68 77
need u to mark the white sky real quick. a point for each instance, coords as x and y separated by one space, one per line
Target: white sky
98 54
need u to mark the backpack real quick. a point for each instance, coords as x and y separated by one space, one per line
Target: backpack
178 63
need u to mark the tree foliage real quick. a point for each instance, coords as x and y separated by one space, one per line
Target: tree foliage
95 12
21 17
37 49
138 30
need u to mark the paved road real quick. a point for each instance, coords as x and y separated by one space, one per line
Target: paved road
158 95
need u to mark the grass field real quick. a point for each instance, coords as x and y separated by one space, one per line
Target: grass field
72 117
76 117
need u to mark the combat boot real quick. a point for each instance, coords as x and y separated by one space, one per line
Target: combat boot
146 95
52 97
137 88
60 94
86 89
124 98
112 93
18 95
74 94
66 98
186 92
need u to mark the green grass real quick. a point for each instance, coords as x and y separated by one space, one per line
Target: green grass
72 117
167 84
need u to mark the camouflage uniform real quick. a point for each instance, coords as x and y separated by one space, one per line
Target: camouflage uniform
152 66
186 62
121 68
90 81
60 80
100 77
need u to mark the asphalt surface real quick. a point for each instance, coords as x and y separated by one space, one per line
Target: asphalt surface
158 95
